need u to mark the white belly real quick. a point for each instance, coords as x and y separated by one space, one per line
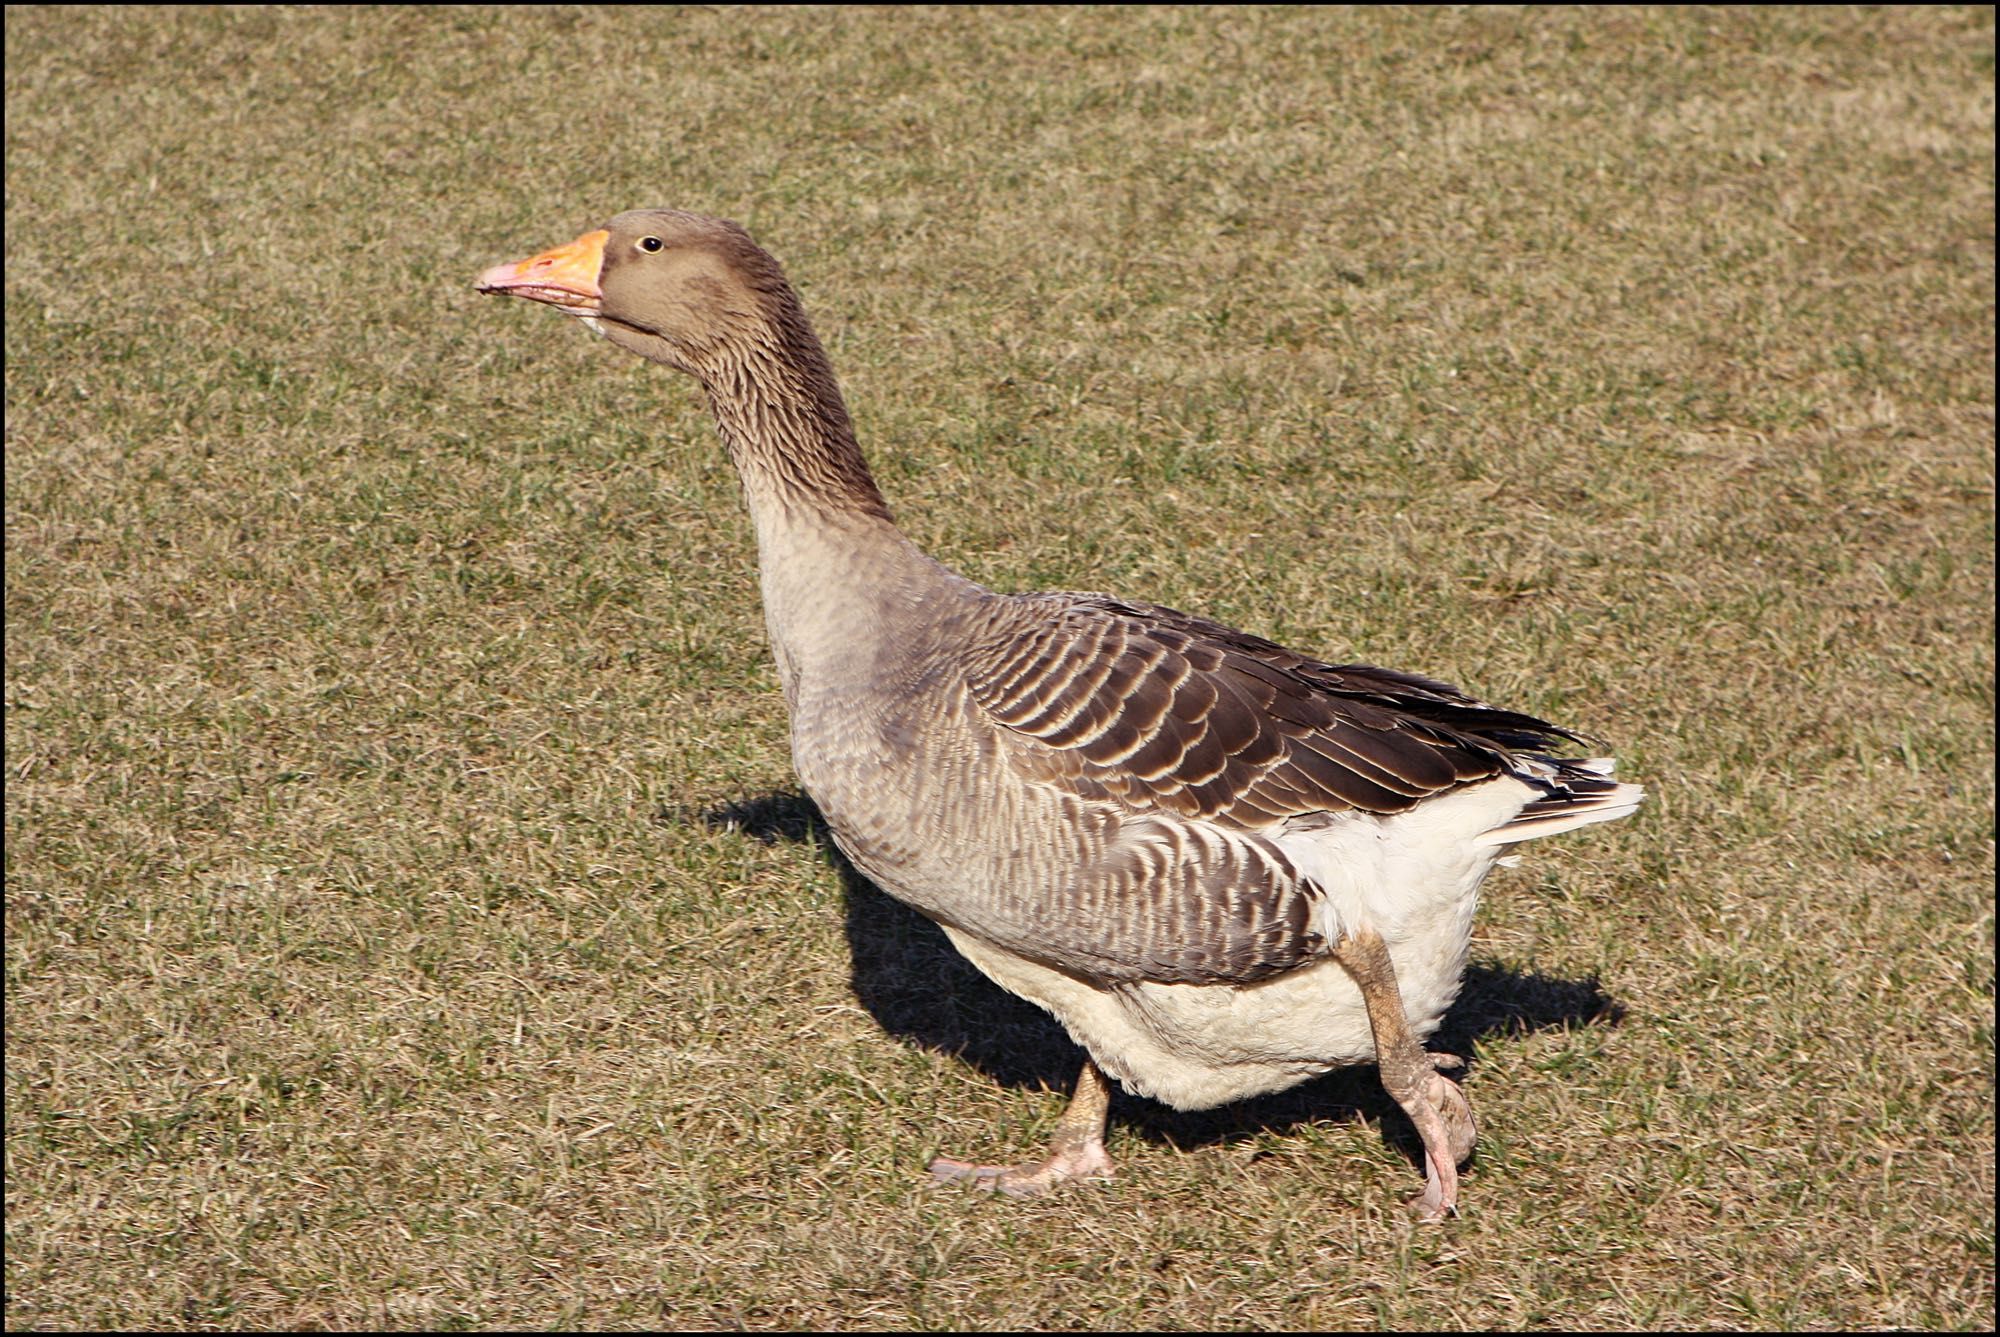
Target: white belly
1195 1046
1413 878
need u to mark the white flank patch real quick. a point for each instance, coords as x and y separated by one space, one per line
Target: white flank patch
1408 874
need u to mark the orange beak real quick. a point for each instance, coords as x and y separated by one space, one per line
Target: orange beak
565 277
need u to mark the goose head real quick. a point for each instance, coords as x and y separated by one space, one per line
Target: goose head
675 287
698 295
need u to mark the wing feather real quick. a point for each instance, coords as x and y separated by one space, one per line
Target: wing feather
1170 711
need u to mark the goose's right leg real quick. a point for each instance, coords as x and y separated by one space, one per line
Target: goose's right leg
1434 1103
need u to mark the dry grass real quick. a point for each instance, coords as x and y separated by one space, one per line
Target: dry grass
410 921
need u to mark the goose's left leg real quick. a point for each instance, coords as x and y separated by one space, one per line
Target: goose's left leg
1075 1152
1434 1103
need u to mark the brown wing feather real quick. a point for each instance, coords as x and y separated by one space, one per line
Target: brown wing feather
1171 711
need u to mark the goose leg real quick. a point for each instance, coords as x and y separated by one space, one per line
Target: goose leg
1075 1152
1434 1102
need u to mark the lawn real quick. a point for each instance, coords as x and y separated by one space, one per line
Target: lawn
412 919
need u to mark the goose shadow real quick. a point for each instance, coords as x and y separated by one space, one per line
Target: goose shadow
914 983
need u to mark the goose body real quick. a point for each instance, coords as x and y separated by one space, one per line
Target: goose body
1223 866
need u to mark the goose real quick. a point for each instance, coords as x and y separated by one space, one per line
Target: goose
1223 866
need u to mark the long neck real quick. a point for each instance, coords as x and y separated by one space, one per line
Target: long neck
837 575
782 417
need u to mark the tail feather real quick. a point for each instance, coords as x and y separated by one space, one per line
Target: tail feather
1580 792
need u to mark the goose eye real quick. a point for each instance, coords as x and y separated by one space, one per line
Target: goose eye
650 243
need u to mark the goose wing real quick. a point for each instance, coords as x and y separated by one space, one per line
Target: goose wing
1176 713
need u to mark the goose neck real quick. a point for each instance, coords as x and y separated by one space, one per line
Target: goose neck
787 430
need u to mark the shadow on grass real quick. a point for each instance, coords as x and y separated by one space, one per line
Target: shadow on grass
912 980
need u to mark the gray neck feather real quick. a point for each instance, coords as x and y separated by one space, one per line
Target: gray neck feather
786 426
837 575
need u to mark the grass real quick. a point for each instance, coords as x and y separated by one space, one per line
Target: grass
411 917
